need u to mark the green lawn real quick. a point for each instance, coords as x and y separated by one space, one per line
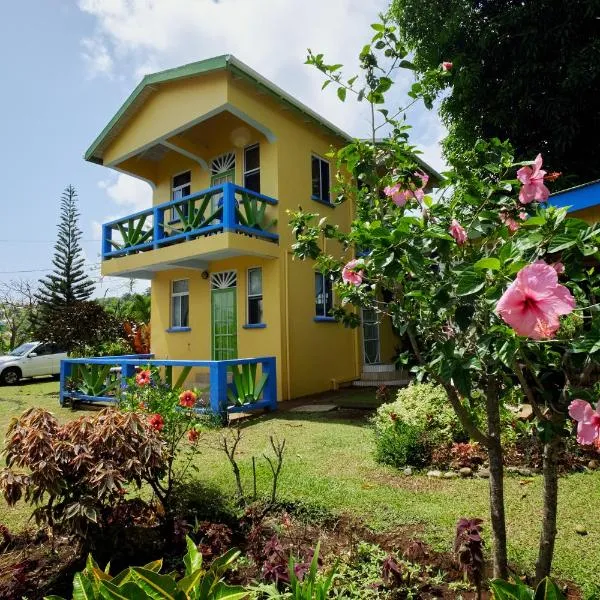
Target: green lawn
329 462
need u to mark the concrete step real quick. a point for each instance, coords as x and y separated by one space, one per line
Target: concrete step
386 382
379 368
380 373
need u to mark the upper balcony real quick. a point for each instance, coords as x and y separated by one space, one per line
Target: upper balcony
220 222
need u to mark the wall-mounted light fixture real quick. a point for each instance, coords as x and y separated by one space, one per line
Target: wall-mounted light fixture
204 274
240 137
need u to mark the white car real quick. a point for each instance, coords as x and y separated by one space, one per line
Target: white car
30 360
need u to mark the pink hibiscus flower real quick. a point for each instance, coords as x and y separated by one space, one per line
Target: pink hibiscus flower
533 187
558 267
588 421
458 232
534 300
350 274
446 66
423 177
523 216
510 223
399 196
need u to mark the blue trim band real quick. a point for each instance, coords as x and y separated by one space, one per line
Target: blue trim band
178 329
254 326
325 202
325 319
577 198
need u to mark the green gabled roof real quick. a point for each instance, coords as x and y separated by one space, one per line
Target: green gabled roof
225 62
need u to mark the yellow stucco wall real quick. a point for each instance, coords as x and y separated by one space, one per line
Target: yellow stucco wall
590 215
196 344
311 356
177 103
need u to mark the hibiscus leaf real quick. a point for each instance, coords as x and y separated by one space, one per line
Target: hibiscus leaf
462 380
492 264
469 282
534 222
516 266
562 241
508 352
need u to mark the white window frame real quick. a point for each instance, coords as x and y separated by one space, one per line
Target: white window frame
250 296
323 304
175 295
174 189
251 171
326 199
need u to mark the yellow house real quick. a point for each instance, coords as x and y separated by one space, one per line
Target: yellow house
227 153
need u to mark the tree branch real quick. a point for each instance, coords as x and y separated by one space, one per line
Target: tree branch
453 397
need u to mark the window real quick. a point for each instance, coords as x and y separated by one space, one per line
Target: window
180 303
320 180
180 188
323 295
43 350
252 168
255 296
222 170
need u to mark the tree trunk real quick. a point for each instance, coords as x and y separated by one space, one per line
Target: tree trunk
550 496
494 448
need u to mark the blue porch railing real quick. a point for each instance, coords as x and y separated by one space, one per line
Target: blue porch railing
225 207
118 369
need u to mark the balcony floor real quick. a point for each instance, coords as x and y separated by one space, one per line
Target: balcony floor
188 254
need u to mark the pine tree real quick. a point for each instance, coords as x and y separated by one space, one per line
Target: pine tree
68 283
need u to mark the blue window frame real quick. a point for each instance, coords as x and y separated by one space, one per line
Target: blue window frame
323 295
180 303
255 297
320 180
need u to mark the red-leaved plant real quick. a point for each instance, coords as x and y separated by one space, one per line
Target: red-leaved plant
71 473
468 547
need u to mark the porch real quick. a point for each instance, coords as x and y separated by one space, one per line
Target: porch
226 386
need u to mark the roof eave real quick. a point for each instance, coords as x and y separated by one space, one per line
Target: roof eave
223 62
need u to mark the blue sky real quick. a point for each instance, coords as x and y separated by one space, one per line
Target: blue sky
69 64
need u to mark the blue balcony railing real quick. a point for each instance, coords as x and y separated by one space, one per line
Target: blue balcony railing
227 386
225 207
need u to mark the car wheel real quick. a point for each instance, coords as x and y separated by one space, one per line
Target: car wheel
10 376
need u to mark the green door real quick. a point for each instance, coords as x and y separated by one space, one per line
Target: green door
224 324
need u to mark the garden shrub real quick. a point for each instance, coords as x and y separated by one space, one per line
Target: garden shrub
113 347
409 429
400 444
73 473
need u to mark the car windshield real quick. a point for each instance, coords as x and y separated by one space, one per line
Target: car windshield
23 349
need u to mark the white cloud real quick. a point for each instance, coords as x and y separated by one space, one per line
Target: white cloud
271 36
127 194
126 191
96 57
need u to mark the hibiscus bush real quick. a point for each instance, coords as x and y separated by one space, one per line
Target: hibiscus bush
177 415
477 279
